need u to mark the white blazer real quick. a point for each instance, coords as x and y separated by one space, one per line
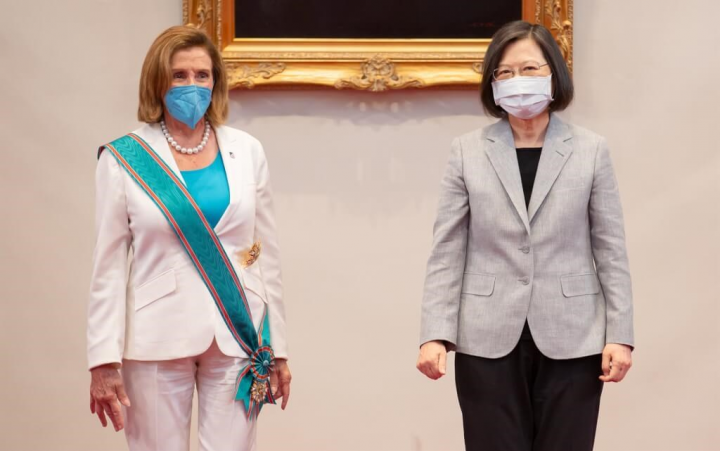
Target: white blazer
153 305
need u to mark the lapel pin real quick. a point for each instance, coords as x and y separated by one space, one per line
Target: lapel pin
232 155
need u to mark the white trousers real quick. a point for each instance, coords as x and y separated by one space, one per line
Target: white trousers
161 395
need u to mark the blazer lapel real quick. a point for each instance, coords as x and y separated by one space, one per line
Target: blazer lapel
555 153
152 134
502 155
231 157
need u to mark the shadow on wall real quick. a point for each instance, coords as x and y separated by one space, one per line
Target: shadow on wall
359 108
361 153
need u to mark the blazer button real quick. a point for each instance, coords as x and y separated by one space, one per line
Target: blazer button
524 281
525 249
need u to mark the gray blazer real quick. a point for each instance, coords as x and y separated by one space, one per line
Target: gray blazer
561 263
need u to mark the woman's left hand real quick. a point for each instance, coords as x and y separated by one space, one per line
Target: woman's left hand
280 381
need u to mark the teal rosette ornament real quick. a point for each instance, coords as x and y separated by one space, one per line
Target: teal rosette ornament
254 382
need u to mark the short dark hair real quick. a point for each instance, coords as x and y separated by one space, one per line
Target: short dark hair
562 84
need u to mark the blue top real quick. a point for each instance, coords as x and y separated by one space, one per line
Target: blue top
209 188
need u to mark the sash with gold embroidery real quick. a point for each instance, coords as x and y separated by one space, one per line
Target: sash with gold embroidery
212 263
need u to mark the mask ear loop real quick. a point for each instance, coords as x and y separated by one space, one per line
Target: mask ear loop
212 91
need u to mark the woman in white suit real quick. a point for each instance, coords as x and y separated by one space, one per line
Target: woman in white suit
161 320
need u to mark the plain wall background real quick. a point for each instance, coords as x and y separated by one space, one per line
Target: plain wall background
356 179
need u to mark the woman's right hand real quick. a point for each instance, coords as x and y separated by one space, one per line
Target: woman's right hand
107 392
432 358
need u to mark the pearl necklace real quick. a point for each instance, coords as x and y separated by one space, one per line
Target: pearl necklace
182 149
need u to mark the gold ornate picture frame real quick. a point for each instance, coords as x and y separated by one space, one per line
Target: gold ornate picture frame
361 64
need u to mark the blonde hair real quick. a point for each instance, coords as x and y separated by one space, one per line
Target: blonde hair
155 78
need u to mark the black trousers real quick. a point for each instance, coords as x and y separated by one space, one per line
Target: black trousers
528 402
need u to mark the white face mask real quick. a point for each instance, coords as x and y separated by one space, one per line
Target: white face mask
523 97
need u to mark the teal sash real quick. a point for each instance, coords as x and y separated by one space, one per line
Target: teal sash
212 263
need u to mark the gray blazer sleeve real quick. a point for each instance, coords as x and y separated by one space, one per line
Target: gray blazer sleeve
445 268
608 245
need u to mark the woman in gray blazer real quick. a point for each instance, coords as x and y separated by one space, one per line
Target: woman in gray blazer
528 278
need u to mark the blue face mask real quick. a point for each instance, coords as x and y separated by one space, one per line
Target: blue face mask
188 104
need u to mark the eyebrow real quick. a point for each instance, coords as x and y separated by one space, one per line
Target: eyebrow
185 70
524 62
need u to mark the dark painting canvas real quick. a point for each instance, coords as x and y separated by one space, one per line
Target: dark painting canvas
373 19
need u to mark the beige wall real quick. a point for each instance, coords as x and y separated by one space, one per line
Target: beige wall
356 179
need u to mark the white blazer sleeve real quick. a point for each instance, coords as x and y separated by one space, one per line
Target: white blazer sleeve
106 307
269 261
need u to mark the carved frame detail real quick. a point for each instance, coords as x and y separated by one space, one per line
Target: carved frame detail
362 64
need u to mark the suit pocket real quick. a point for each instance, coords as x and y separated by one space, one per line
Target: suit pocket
478 284
579 284
569 183
252 281
155 289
